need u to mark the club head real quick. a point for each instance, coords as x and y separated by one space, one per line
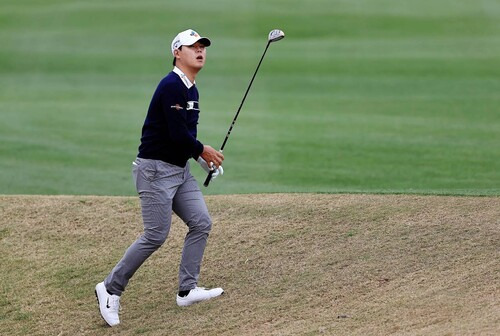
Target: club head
275 35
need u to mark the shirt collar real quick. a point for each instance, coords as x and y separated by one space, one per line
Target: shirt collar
183 77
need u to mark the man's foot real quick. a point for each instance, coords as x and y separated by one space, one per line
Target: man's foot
109 305
198 294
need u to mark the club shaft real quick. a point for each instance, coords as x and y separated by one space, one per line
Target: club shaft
209 177
243 100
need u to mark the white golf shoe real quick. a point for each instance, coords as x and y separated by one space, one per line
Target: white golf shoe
198 294
109 305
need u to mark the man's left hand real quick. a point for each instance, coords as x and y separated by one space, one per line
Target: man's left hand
206 167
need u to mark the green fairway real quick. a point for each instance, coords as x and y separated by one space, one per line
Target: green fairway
361 96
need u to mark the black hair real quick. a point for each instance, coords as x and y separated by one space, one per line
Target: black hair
173 62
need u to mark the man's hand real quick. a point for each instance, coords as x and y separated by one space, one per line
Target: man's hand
205 167
210 156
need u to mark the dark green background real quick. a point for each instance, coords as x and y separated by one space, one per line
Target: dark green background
361 96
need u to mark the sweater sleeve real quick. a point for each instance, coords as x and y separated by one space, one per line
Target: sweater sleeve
174 101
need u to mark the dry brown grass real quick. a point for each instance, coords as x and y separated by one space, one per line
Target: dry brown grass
291 264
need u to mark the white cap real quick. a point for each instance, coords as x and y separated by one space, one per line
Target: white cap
188 37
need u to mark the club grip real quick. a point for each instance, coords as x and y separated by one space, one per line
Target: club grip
209 178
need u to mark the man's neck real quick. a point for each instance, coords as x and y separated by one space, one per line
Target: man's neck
189 72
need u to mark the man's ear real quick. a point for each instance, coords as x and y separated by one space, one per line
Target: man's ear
176 54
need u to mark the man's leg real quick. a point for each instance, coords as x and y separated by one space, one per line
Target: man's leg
156 194
156 184
190 206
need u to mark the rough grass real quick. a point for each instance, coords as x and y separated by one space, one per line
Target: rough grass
291 264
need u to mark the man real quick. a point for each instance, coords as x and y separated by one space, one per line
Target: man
164 182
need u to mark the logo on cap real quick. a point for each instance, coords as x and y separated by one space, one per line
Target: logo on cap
193 33
177 43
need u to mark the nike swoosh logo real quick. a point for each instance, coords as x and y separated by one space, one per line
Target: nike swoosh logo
107 303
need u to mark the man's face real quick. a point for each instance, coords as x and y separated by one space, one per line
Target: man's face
193 56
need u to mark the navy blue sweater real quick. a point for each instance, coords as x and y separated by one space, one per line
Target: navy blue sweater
170 129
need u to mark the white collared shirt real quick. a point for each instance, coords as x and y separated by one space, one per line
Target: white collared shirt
183 77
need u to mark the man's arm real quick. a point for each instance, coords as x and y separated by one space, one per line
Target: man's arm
176 115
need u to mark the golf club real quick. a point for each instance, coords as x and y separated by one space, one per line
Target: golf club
274 35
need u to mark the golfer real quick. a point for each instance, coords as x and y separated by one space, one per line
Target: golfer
164 182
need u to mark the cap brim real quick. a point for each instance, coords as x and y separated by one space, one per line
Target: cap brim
205 41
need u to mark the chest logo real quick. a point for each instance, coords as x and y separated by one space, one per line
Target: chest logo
192 105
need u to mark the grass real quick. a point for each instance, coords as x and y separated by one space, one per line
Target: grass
291 264
377 97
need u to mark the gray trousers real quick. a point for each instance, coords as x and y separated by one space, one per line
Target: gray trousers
164 188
